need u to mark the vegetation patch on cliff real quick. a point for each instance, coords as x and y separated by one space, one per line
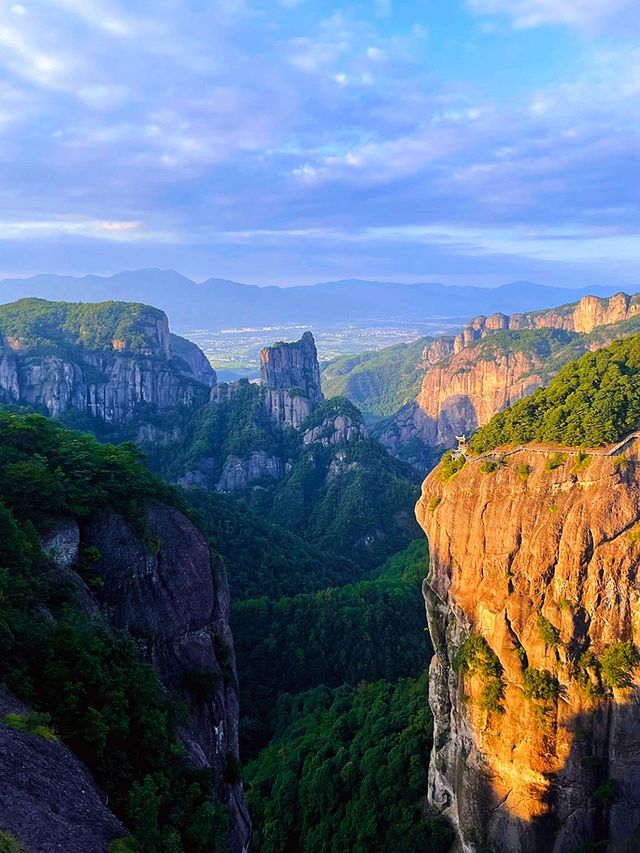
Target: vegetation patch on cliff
618 663
475 656
38 323
450 464
540 684
592 402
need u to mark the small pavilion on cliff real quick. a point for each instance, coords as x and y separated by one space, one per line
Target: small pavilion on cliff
461 449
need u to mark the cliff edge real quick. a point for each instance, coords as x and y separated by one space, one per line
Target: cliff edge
533 609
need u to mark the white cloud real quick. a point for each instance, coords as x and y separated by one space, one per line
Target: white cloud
100 14
375 54
589 14
120 231
571 244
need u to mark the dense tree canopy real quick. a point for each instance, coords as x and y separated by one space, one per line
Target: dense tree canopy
361 632
57 325
86 678
593 401
262 558
47 470
347 773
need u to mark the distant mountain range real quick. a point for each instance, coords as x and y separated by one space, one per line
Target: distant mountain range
218 303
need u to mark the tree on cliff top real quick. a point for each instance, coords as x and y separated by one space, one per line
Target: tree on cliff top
592 401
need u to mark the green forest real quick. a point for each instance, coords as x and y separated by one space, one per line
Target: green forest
333 691
592 402
378 382
84 680
351 634
53 326
347 771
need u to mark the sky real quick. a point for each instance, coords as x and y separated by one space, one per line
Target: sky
294 141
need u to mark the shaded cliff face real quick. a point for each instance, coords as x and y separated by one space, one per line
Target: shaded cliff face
534 558
49 801
170 593
495 361
109 363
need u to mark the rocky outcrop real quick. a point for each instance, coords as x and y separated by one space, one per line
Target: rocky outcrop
197 364
290 375
583 316
152 371
292 365
48 800
466 392
239 474
112 389
336 429
172 594
535 747
467 381
168 590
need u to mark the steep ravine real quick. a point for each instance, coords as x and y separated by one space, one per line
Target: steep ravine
536 557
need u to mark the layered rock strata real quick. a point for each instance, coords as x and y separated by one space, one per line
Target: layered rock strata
114 384
290 376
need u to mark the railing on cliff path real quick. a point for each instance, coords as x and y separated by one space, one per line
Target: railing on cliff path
612 450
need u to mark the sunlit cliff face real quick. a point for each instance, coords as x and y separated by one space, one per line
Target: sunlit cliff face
533 607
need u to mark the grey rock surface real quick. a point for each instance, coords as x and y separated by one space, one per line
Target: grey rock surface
48 800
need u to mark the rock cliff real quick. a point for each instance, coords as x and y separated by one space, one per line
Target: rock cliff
290 375
533 610
495 361
260 428
583 316
171 594
48 800
114 363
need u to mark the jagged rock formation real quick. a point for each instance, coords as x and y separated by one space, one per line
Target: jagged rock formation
538 555
170 592
48 800
335 429
469 379
290 375
282 404
238 473
113 364
583 316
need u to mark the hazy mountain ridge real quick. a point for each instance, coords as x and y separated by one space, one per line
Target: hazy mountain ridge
219 303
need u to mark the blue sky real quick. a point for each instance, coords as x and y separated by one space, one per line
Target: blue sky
471 141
